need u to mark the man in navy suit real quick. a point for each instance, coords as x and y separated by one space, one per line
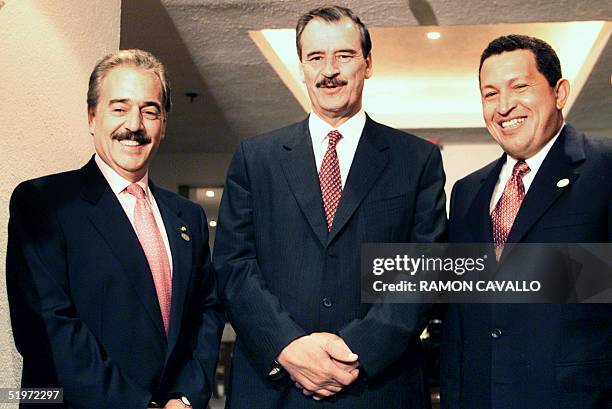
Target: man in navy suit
530 355
109 280
298 203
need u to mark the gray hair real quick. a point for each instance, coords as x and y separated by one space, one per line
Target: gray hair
134 57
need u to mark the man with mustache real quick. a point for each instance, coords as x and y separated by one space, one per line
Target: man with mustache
109 278
551 185
298 203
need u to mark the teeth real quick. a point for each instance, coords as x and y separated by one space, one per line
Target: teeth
127 142
513 123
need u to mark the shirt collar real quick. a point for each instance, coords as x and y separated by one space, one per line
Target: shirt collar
350 129
536 160
117 182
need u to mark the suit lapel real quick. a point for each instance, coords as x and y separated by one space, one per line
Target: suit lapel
299 166
177 230
478 214
110 220
370 159
558 164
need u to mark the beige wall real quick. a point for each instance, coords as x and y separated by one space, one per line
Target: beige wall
47 50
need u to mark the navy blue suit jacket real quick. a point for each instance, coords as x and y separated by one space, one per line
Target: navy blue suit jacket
534 355
282 275
84 311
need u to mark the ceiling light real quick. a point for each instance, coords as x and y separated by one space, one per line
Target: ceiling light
212 223
433 35
210 193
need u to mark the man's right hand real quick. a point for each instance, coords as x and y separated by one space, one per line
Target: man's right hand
321 363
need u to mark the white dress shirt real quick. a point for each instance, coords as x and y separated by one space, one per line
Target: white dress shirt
534 164
128 202
351 133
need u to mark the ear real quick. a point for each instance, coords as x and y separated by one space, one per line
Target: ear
164 120
562 90
369 69
302 73
91 115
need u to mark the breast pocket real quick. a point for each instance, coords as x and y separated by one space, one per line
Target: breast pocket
567 220
384 218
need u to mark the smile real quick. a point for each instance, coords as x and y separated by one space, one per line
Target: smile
512 123
127 142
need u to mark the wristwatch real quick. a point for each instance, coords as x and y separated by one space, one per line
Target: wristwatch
277 371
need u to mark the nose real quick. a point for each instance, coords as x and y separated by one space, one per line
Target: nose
133 121
330 67
506 103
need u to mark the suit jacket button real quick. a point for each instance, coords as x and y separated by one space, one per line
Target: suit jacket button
327 302
496 333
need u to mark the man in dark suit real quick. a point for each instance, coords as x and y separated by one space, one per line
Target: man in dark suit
550 186
109 278
298 203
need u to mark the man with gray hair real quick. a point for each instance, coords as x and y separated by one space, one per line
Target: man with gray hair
108 276
298 203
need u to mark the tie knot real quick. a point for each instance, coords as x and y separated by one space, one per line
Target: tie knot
135 190
333 136
521 168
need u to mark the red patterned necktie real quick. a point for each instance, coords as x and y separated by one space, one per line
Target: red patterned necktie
153 245
507 207
329 178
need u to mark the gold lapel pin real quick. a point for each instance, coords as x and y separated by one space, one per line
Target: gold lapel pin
185 236
183 228
563 182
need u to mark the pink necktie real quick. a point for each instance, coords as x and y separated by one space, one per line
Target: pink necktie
154 249
329 178
507 207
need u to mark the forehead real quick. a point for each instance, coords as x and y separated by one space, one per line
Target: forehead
320 35
509 65
129 82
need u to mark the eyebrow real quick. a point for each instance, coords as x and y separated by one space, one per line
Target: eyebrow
126 100
347 50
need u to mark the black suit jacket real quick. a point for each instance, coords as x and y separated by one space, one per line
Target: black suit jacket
534 355
282 275
84 311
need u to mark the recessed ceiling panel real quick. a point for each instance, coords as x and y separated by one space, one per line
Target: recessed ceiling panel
419 82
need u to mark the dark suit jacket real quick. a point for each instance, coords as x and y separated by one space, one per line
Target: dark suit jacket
534 355
84 310
282 276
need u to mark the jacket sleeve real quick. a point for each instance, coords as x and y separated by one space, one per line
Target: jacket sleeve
196 380
388 329
262 324
57 347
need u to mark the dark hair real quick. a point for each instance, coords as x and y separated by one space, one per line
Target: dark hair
546 58
332 14
134 57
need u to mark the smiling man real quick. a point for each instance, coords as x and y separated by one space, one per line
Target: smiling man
298 203
108 276
552 185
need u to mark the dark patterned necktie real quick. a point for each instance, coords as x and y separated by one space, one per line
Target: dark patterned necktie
329 178
507 207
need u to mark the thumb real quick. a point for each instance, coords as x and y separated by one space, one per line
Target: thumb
339 351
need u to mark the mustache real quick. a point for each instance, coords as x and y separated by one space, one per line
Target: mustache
140 137
331 82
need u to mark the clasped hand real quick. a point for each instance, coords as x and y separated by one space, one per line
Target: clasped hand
321 364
